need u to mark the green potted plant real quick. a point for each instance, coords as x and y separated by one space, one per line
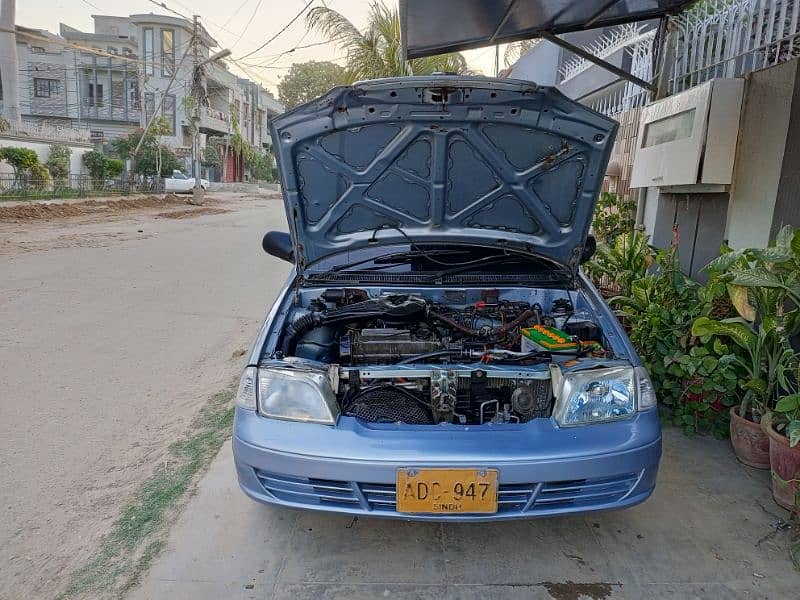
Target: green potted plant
760 282
759 358
783 429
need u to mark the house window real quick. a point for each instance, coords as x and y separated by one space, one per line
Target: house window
44 88
167 52
133 94
95 94
166 108
148 51
169 112
149 105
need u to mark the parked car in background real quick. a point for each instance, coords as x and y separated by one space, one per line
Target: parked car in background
179 182
437 353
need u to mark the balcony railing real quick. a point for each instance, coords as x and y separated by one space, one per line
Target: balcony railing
112 110
214 119
217 114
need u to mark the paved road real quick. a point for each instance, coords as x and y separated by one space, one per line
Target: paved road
696 538
112 331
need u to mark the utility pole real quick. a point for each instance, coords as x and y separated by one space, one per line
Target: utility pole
198 193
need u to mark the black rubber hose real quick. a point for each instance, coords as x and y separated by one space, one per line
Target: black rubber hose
296 330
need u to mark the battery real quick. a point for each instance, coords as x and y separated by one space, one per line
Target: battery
550 339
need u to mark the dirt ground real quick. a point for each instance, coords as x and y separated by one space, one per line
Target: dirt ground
119 318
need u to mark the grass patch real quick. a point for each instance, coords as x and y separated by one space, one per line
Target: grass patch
139 534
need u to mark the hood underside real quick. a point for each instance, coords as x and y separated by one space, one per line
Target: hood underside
443 159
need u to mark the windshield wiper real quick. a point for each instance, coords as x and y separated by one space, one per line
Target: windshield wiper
496 260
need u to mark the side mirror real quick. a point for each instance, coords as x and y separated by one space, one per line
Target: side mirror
278 244
589 248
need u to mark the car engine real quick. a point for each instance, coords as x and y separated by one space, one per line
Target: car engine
407 358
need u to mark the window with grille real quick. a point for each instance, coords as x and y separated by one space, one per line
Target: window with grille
95 97
45 88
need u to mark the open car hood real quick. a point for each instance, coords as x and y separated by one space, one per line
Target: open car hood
442 159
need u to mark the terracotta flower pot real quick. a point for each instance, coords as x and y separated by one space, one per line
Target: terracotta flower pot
785 464
750 442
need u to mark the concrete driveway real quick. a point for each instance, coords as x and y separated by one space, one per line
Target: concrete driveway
704 534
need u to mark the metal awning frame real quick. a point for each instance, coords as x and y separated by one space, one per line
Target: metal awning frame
621 73
581 52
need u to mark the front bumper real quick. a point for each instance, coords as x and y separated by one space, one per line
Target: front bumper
544 470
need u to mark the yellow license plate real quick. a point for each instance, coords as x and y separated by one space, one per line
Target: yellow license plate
447 490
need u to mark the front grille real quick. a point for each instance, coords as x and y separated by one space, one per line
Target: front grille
309 491
527 498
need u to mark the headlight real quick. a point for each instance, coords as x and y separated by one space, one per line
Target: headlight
296 395
602 395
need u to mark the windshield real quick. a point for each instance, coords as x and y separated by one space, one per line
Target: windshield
434 259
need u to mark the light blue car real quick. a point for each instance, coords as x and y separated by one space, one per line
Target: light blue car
436 353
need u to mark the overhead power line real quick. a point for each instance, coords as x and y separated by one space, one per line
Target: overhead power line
247 25
275 57
280 31
94 6
172 10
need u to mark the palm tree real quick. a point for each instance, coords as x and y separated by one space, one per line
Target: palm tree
377 52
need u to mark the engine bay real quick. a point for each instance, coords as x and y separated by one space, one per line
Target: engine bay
425 357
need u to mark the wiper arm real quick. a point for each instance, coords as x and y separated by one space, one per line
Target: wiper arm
489 260
499 259
398 258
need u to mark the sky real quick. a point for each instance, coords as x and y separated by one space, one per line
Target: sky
241 25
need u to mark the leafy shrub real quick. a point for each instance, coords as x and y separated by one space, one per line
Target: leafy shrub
626 260
101 167
613 216
58 162
114 167
20 159
695 379
39 177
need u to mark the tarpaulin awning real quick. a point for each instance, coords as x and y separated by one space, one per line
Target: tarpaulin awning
438 26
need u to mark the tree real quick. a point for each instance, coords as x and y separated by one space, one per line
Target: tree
22 160
378 51
154 158
305 81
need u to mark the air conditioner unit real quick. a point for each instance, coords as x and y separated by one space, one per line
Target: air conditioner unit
689 139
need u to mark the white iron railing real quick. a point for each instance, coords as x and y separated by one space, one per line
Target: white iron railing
727 38
631 95
624 36
715 38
